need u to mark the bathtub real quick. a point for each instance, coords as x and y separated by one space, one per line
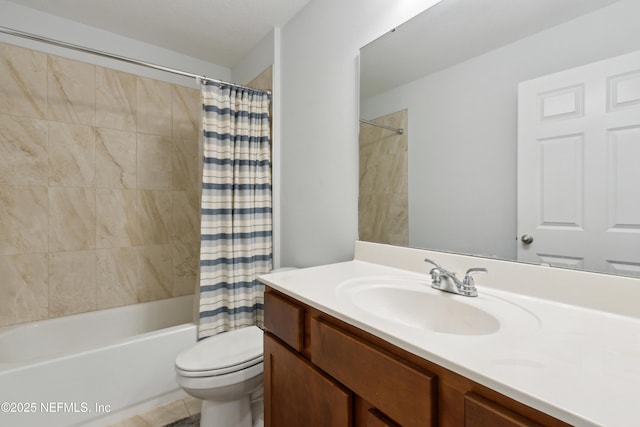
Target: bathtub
94 368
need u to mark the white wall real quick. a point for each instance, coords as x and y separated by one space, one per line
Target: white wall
319 135
259 59
28 20
462 130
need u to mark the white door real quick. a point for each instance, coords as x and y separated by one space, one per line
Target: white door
579 167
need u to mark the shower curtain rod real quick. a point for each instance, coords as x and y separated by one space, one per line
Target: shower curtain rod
399 131
71 46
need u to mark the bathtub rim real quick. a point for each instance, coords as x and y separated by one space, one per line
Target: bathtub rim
82 350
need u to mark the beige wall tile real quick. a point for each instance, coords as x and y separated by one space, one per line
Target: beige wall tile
186 216
23 82
90 193
185 168
186 110
71 91
116 277
264 80
116 218
382 205
399 219
24 151
116 99
154 216
115 159
154 107
72 155
366 217
72 283
72 219
186 257
24 220
155 272
24 294
153 162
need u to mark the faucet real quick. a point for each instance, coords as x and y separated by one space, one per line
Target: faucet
447 281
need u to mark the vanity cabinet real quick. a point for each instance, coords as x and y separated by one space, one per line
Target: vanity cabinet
481 412
322 372
303 395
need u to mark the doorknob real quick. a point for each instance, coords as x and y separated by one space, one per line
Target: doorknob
526 239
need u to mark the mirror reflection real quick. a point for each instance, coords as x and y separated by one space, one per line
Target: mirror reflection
521 132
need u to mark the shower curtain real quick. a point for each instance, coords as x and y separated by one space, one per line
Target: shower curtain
236 227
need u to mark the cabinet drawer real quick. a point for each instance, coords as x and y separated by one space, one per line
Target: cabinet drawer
482 412
377 419
284 319
405 394
297 394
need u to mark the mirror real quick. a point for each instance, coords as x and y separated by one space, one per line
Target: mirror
450 79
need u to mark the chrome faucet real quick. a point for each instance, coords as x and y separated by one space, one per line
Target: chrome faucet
447 281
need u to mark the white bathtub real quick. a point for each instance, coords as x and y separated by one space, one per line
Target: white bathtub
93 368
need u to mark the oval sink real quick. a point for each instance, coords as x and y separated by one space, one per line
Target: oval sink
414 303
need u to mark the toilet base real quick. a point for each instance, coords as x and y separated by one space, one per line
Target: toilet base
234 413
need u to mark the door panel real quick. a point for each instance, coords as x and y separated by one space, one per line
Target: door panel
578 174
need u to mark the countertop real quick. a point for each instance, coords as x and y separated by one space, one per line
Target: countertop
578 364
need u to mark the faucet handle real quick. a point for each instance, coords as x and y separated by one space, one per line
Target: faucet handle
468 278
477 270
436 272
468 284
433 263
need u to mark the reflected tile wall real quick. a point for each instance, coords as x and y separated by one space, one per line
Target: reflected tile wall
99 187
383 200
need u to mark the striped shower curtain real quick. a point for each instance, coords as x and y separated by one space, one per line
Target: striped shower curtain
236 226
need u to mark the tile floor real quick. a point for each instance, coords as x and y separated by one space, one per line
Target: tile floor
181 409
163 415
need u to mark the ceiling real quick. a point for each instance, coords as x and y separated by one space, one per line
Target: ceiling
218 31
453 31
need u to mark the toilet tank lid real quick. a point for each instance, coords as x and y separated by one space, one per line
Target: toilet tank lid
223 351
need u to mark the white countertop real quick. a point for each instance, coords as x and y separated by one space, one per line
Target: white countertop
577 364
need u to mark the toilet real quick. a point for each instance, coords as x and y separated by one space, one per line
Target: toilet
223 371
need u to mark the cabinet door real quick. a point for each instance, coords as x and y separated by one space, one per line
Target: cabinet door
377 419
482 412
405 393
297 394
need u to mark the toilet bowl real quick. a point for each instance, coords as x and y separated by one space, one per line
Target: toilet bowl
223 371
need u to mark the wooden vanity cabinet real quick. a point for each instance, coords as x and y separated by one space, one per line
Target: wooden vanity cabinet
300 394
322 372
481 412
396 389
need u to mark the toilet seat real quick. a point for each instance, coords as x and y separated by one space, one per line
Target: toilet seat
222 354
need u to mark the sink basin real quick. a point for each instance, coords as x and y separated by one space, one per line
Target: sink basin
413 303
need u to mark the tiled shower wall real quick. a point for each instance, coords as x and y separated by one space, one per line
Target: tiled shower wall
99 187
383 208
